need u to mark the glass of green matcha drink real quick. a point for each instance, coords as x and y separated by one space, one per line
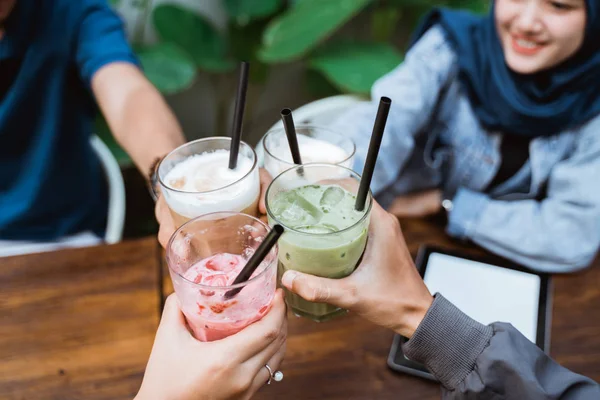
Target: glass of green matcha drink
324 234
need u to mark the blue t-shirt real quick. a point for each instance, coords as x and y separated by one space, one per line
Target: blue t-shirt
51 182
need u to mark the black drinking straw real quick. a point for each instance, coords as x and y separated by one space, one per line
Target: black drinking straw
290 132
257 258
238 116
376 136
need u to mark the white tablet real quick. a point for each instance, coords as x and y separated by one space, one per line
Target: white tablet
487 290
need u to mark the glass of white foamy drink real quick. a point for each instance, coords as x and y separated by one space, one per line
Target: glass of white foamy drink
317 144
195 179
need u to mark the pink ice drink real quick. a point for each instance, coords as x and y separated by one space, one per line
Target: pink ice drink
205 256
208 313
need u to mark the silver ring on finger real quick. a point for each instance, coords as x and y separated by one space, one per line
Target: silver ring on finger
276 376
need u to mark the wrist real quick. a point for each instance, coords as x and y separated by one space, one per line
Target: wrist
448 342
412 315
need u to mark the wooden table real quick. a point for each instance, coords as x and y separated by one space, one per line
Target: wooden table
80 323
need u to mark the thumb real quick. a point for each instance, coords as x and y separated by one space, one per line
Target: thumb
382 226
321 290
378 216
172 319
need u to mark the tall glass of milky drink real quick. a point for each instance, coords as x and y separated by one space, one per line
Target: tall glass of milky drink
195 179
324 234
317 145
205 255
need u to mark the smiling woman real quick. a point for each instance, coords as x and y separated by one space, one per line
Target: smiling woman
529 67
496 118
539 34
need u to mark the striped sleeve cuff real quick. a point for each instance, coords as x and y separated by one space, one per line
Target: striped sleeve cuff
448 342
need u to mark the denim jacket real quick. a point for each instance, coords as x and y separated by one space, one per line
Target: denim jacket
546 217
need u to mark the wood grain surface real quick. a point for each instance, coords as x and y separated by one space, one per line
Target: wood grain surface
78 324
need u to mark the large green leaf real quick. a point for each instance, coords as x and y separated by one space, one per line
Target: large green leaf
477 6
168 67
384 22
250 9
415 10
244 42
301 28
318 85
418 3
354 67
194 34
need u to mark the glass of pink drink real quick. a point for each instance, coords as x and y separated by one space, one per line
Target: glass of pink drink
204 256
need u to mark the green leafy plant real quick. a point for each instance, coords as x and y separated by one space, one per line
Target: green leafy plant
354 66
269 32
296 31
169 67
278 31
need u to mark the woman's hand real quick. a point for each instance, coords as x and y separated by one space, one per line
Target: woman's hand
183 368
414 205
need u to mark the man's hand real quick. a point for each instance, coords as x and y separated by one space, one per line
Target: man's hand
418 204
181 367
386 288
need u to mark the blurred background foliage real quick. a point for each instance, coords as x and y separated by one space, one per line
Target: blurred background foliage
299 50
267 32
271 32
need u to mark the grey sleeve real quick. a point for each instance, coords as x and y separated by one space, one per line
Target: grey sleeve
475 361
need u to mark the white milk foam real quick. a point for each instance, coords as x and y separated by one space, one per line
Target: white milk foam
312 150
208 172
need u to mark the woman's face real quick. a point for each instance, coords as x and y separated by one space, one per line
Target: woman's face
539 34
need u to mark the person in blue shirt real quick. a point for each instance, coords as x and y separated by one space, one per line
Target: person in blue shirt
496 119
59 61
